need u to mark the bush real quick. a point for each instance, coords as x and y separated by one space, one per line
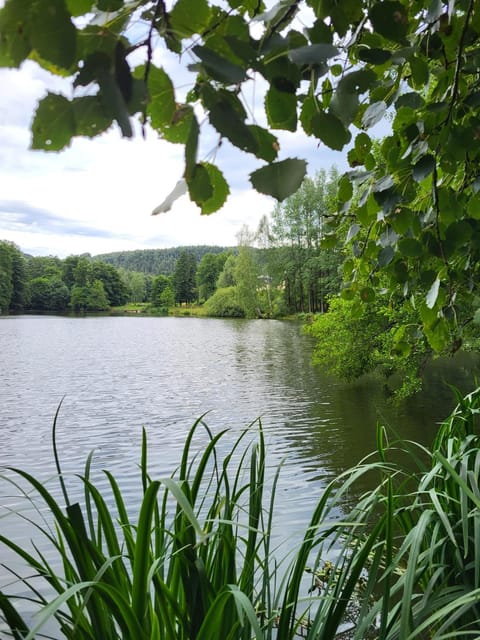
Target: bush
224 304
353 339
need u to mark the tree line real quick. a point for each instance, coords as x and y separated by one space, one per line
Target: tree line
280 268
155 261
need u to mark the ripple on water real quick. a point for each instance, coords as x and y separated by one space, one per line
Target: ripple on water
118 375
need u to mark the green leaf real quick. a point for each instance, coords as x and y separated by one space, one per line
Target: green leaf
162 106
345 189
199 184
114 102
14 32
329 241
227 115
187 18
412 99
267 143
410 247
330 130
280 179
353 231
367 294
401 349
54 34
385 256
90 117
423 168
179 128
357 81
282 74
458 234
374 55
109 5
438 334
310 107
389 18
220 190
420 72
345 106
473 207
191 148
281 109
373 114
313 54
220 68
54 125
79 7
251 6
432 295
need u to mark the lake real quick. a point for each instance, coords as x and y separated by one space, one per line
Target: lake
119 374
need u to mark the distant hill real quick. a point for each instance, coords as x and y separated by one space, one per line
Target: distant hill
156 261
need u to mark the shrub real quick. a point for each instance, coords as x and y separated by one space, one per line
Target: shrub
224 304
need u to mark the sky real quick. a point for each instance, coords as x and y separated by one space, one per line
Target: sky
97 195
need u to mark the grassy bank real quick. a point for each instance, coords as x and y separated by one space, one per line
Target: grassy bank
198 560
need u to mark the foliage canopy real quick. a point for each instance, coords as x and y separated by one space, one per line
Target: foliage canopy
331 69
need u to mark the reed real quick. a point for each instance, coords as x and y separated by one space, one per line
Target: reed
198 562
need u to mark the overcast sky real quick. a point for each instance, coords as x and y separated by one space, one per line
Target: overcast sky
97 196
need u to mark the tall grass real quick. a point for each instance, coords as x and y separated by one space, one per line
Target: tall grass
199 560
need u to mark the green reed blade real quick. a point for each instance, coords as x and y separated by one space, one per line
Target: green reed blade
142 557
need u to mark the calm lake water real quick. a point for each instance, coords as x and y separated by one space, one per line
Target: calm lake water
119 374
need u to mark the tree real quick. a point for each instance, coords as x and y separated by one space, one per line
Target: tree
13 290
246 275
184 278
6 271
44 267
308 267
97 298
209 268
159 285
115 289
412 64
224 304
19 297
91 297
135 283
48 294
355 339
226 277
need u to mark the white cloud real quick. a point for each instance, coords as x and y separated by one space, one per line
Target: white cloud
105 189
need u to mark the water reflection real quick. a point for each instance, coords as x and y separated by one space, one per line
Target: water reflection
120 374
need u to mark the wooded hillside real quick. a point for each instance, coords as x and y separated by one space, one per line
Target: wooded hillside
155 261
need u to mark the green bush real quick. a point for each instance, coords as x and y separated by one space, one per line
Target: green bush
353 339
224 304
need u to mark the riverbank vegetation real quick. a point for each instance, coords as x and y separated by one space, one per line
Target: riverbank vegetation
200 557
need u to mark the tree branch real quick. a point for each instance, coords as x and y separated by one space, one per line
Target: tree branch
458 64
